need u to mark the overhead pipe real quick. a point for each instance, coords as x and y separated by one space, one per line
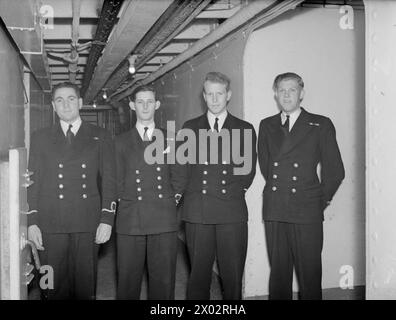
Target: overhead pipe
239 19
136 20
76 7
174 20
108 18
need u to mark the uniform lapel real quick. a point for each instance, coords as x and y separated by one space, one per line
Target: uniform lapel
82 139
58 137
299 131
137 146
59 141
228 123
276 135
204 122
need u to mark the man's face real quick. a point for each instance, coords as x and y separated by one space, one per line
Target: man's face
145 105
216 96
67 104
289 95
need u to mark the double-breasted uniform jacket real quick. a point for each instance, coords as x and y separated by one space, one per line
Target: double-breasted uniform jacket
74 186
146 191
293 192
213 193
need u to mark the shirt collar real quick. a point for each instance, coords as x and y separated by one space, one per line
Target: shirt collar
75 126
212 119
293 117
140 128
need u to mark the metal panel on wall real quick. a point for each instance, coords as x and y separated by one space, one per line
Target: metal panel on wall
12 96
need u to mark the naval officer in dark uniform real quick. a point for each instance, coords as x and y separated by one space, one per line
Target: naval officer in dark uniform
146 223
291 144
214 207
72 199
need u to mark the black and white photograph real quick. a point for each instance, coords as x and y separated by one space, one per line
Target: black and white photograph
197 157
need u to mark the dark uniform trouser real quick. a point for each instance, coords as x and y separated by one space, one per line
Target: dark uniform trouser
161 252
300 245
229 241
73 257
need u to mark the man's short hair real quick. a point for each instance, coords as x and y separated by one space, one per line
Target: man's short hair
287 76
218 77
65 85
143 88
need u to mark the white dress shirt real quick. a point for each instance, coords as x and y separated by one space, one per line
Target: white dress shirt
212 119
293 117
75 126
140 128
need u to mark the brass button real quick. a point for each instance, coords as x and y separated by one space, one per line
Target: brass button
159 187
140 198
83 166
205 172
84 196
83 176
158 168
204 182
223 191
206 163
139 189
84 186
61 165
204 191
137 180
224 172
275 176
295 165
294 178
224 162
137 171
276 164
61 196
274 188
223 182
159 178
61 186
160 196
60 176
293 190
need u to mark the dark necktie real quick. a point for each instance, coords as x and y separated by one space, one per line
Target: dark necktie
69 135
286 124
216 125
145 135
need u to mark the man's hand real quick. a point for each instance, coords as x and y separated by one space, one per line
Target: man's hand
34 234
103 233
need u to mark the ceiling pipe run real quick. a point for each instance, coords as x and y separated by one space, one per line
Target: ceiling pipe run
137 17
242 17
171 23
76 6
108 19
